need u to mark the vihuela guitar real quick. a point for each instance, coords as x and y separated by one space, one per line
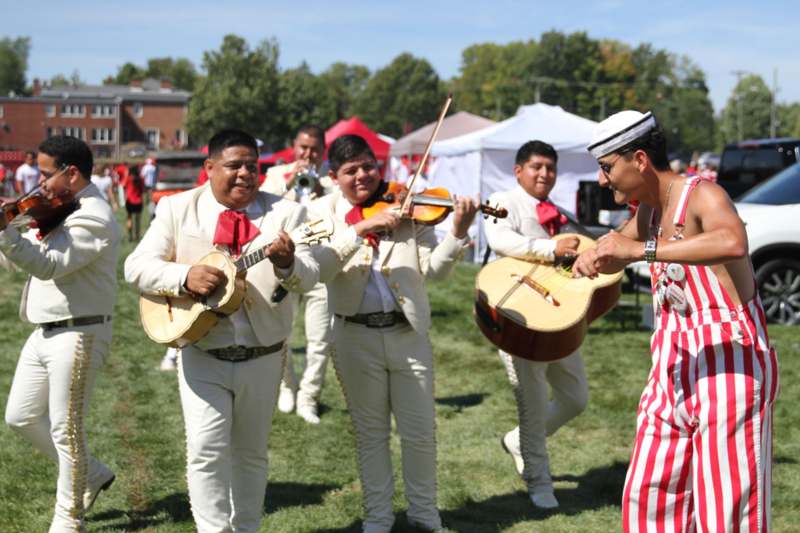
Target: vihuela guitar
539 311
178 321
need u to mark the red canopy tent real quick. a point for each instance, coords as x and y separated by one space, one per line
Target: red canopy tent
354 126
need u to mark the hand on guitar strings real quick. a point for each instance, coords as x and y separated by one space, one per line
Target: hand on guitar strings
612 253
203 279
281 251
568 246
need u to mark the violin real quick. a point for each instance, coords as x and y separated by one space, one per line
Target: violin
428 207
47 213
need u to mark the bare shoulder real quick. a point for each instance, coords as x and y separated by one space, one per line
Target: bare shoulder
709 195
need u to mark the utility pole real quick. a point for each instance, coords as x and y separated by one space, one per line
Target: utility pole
773 110
738 96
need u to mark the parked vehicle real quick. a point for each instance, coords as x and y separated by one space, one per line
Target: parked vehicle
746 164
176 172
771 213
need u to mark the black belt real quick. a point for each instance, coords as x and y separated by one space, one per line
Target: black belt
74 322
239 353
377 320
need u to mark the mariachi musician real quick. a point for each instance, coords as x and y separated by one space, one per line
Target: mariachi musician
69 296
526 234
375 269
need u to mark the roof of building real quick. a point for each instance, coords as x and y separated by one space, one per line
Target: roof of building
151 90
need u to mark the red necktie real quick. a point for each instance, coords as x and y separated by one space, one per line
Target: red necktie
354 216
549 217
234 229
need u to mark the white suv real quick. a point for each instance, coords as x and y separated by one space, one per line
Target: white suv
771 213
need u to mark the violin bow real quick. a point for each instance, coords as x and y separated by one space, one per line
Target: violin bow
427 152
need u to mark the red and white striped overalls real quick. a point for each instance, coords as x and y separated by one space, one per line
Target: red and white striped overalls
703 451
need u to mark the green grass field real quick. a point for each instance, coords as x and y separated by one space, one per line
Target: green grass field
135 426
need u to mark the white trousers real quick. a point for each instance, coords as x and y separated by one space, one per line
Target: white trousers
319 337
540 417
48 402
383 372
227 409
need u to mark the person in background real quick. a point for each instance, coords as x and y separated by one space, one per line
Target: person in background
134 198
148 175
309 147
105 184
27 175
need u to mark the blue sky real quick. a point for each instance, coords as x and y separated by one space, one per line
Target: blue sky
95 37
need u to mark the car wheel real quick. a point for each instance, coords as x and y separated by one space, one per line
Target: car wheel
779 285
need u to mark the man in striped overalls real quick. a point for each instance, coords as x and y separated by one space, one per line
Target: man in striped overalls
703 450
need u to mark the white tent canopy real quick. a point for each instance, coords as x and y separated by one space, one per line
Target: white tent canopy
482 162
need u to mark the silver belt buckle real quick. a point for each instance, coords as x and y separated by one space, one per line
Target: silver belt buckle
380 320
236 353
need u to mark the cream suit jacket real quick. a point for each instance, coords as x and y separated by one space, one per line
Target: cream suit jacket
73 270
174 241
408 256
519 234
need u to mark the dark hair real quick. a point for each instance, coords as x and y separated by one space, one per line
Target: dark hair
30 153
230 137
654 144
347 148
532 148
314 131
69 151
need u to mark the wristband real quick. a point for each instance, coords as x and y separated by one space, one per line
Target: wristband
650 250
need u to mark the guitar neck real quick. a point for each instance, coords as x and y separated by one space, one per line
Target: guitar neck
250 260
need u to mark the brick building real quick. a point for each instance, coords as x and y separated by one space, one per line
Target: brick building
149 113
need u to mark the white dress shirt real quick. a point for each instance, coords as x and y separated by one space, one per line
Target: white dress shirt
520 234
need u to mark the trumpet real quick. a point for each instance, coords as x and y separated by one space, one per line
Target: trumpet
306 181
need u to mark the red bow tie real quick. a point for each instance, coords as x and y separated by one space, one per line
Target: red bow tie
234 229
354 216
549 217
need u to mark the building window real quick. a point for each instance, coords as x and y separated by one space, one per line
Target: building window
50 132
2 112
50 110
152 138
138 110
180 138
104 110
73 110
72 131
102 135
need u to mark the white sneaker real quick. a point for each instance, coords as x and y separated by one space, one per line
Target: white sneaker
544 499
286 400
511 446
308 412
168 364
91 493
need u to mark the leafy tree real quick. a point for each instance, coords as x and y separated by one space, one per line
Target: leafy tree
126 73
239 90
13 64
180 72
60 80
747 112
346 84
788 118
402 96
494 79
304 98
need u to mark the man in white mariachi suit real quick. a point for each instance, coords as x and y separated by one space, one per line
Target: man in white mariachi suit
526 233
229 379
382 352
309 146
70 297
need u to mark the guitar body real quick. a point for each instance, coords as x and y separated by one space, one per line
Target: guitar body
538 311
181 320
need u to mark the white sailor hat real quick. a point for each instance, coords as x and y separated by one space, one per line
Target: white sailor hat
618 130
